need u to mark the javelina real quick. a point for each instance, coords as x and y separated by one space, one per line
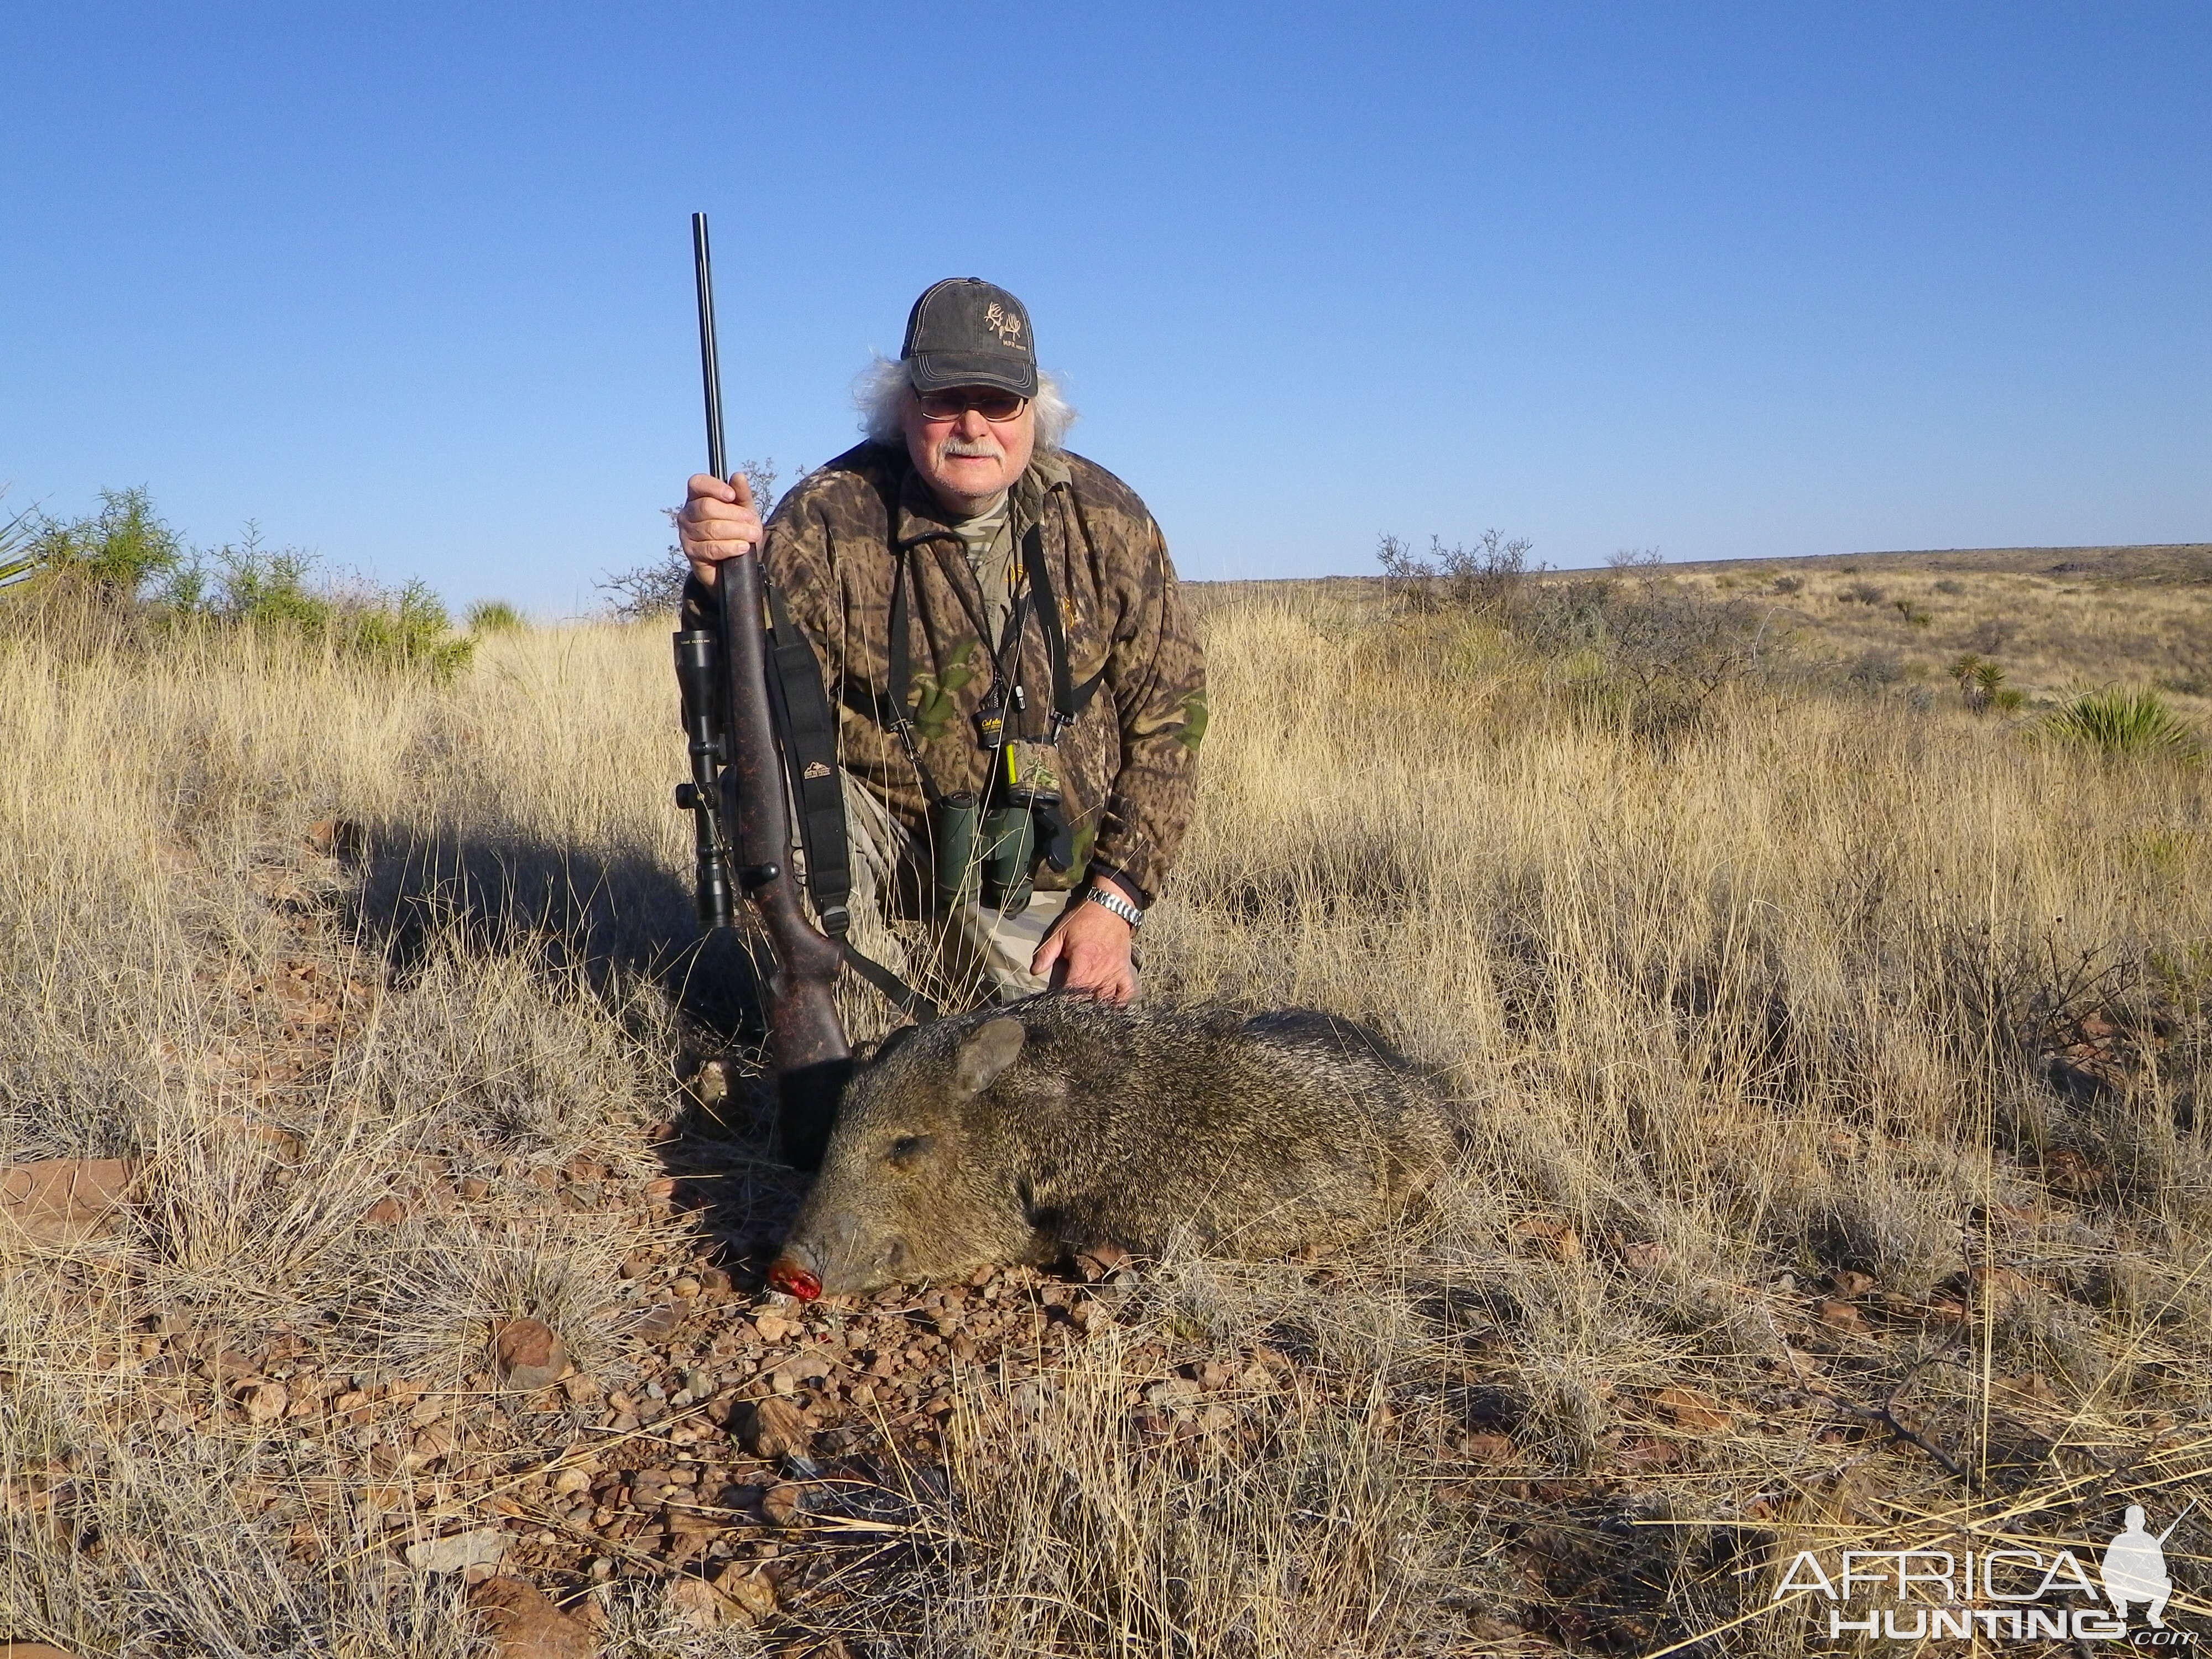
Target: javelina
1010 1135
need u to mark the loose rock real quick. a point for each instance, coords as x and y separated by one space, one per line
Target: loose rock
458 1552
60 1200
524 1625
530 1354
749 1588
780 1503
774 1428
698 1604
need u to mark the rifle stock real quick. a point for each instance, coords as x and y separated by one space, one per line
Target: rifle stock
742 815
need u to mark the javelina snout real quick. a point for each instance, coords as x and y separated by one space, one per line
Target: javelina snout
1012 1135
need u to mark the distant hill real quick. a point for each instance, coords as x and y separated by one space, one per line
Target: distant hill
2057 619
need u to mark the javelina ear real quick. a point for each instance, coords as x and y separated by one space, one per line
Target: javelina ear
985 1053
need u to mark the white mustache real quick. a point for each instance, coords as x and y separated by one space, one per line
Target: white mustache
981 448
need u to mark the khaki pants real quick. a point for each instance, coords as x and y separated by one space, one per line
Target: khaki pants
965 959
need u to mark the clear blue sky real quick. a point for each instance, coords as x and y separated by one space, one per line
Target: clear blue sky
412 284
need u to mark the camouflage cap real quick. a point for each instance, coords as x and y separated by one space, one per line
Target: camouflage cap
966 331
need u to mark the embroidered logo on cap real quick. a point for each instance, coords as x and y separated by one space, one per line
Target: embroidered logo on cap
1008 328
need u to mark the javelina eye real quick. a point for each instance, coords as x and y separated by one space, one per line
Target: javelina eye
906 1148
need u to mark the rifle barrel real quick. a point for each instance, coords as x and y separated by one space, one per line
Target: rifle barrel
710 357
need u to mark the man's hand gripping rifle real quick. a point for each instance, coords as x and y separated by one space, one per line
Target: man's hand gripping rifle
739 806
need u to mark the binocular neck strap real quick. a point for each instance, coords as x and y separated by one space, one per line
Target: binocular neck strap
1055 638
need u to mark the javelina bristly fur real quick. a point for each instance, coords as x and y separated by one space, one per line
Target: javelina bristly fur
1014 1134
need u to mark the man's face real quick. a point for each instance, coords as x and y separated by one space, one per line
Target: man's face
967 459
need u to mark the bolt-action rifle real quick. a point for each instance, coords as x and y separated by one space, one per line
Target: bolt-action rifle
740 813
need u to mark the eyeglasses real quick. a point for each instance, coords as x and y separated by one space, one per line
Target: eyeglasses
950 405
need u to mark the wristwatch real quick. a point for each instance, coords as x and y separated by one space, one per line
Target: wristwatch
1117 905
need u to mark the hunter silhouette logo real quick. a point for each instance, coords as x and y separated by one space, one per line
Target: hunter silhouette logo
1008 328
2134 1568
1923 1596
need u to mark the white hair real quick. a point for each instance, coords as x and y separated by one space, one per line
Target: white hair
880 392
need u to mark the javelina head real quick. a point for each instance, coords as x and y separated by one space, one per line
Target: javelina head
916 1185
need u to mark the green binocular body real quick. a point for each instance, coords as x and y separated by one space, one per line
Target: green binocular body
991 852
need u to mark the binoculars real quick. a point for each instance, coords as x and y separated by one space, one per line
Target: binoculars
988 853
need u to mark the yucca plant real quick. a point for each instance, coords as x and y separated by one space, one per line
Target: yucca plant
1981 684
16 564
2119 722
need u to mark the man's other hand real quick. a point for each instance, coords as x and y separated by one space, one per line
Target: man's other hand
1089 953
718 522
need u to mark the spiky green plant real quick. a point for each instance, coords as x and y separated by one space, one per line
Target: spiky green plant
2119 722
1981 684
492 616
15 565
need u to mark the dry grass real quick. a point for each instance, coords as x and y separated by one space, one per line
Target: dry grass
2057 620
1838 1072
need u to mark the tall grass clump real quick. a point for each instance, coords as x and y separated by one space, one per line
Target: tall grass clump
491 616
2123 723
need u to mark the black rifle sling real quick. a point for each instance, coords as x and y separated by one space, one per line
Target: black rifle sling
809 734
808 731
896 991
1068 701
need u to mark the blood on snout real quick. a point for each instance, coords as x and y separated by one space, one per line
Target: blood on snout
788 1277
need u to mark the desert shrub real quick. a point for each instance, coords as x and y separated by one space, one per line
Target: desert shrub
1487 580
1786 585
1949 586
1877 668
492 616
1914 616
407 627
1860 593
110 554
1662 650
656 588
1992 634
280 592
2123 723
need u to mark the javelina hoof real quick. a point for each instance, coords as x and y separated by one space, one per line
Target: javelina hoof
1062 1125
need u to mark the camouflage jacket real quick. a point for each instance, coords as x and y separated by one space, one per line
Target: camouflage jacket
1127 766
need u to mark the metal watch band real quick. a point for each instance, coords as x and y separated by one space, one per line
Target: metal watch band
1119 906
